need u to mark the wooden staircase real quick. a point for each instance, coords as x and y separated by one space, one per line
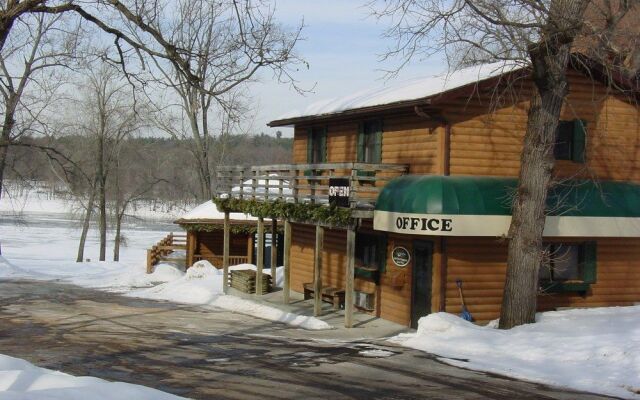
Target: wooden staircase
163 250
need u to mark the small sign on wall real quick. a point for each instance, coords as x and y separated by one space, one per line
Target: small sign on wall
339 191
400 256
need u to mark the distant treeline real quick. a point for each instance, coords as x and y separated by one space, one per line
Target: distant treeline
164 159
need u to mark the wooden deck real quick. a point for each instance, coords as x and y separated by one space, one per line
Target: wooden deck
306 183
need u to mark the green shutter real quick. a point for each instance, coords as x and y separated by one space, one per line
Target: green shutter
589 259
309 150
579 141
323 145
377 158
360 146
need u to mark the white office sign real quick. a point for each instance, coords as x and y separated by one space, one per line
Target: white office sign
498 225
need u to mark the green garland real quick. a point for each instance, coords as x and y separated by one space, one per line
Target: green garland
330 215
234 229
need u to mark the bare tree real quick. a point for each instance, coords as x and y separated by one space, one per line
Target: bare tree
27 82
537 34
227 43
108 118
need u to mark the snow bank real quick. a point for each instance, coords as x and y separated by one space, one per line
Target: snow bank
404 91
242 306
20 379
595 350
202 285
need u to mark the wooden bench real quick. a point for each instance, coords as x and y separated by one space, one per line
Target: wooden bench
332 295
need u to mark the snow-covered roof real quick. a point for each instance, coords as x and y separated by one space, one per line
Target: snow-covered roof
209 211
414 89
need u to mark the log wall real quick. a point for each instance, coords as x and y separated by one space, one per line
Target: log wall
406 139
486 139
481 264
208 244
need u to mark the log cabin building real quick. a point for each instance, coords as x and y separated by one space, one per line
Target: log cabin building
396 195
205 238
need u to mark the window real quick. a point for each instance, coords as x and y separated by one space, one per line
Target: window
371 256
317 145
568 267
570 141
370 142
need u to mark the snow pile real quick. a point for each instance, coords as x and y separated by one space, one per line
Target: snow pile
202 285
413 89
209 210
595 350
242 306
20 379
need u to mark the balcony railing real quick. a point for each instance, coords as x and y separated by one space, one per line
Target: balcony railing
306 183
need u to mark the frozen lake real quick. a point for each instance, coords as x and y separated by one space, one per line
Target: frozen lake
35 240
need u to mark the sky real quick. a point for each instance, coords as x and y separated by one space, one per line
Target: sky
342 45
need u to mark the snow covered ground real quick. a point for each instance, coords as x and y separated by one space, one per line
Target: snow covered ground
43 247
595 350
39 199
20 379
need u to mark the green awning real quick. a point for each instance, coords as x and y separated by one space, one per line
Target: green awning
426 197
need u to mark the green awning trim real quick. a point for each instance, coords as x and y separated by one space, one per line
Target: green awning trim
474 195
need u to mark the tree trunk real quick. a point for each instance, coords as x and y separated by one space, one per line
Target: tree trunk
525 249
5 138
102 199
116 242
85 224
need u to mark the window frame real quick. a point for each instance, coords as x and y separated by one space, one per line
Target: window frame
379 243
571 140
587 264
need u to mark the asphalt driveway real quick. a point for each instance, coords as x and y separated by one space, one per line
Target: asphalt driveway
214 354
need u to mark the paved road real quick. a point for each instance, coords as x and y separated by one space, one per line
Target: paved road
199 353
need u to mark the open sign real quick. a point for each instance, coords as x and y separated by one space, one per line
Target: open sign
339 191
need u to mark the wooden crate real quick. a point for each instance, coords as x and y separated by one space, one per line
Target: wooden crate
245 281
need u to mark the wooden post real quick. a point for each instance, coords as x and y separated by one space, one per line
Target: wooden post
250 248
349 278
225 253
260 261
274 249
317 272
149 261
287 261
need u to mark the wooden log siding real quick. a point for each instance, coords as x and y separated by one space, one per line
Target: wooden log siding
391 303
481 264
406 139
209 245
486 142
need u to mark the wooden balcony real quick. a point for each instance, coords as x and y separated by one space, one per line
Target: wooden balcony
306 183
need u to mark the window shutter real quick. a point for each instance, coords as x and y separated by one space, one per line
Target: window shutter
589 262
360 146
323 145
378 143
579 140
309 150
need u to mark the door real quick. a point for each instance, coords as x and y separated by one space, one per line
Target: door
422 268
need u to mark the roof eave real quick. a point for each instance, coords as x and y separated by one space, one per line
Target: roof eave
356 111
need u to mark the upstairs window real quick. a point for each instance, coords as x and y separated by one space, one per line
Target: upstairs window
370 142
569 267
571 141
317 145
